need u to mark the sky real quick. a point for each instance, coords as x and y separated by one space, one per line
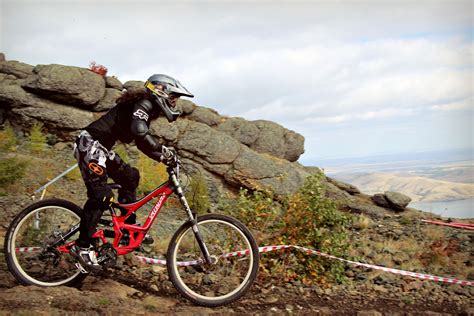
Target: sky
355 78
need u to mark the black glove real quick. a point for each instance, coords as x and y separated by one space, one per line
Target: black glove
168 157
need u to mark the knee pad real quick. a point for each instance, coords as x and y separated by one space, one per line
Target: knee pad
128 177
100 196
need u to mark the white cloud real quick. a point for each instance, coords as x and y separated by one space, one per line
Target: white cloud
466 104
294 63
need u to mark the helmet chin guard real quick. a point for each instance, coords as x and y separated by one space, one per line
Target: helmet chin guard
171 115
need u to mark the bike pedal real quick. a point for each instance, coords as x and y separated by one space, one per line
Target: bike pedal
148 240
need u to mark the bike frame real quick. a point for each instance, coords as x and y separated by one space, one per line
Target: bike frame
136 232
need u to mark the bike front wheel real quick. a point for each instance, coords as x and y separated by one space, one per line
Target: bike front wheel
28 251
234 260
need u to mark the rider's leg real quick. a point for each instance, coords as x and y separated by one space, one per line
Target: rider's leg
91 157
100 196
128 177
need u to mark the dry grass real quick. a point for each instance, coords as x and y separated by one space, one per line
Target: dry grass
432 232
362 222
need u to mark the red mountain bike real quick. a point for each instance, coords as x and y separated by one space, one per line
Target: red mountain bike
212 259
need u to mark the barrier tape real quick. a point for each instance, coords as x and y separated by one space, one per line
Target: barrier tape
299 248
318 253
452 224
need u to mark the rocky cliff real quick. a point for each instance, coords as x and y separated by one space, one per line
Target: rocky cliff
231 152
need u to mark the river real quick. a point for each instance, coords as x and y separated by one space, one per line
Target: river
453 209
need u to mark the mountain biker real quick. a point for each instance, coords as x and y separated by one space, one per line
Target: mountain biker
129 120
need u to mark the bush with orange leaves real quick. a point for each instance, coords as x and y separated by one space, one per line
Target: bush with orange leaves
98 69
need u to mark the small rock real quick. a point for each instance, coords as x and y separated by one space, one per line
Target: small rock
158 269
51 139
271 299
60 146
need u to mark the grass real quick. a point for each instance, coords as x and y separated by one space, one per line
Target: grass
37 138
361 222
104 301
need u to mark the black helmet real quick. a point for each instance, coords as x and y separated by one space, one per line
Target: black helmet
166 91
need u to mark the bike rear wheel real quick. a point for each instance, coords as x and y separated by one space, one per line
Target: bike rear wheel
28 254
235 260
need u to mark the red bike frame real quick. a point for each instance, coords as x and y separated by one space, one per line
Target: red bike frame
136 233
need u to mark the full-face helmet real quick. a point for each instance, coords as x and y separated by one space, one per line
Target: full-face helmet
166 91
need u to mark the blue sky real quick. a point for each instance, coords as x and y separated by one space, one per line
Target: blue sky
355 78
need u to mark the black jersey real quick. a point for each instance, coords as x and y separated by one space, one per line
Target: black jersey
127 123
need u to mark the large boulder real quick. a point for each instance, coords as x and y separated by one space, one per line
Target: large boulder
208 144
244 131
133 84
397 200
205 115
185 106
24 108
16 68
223 155
12 95
278 141
64 121
8 79
113 82
67 84
349 188
265 137
380 200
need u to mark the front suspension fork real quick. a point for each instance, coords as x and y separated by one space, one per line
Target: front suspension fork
193 218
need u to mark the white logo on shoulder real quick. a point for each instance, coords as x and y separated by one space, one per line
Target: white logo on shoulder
142 115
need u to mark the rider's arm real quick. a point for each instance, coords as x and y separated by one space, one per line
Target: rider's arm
145 142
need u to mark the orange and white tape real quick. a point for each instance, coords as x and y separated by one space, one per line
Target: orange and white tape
318 253
468 226
299 248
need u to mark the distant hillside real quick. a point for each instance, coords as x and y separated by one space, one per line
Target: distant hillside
418 188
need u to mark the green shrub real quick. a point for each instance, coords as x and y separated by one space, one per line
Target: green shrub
11 170
7 138
312 220
122 152
152 174
37 138
198 194
259 211
73 175
306 218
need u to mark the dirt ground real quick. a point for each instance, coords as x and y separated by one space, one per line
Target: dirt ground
119 292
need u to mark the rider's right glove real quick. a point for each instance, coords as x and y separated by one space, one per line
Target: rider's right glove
167 156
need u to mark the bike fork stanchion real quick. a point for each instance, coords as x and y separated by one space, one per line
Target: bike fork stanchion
202 245
192 217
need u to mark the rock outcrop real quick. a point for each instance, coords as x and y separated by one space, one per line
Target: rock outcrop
66 84
230 151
